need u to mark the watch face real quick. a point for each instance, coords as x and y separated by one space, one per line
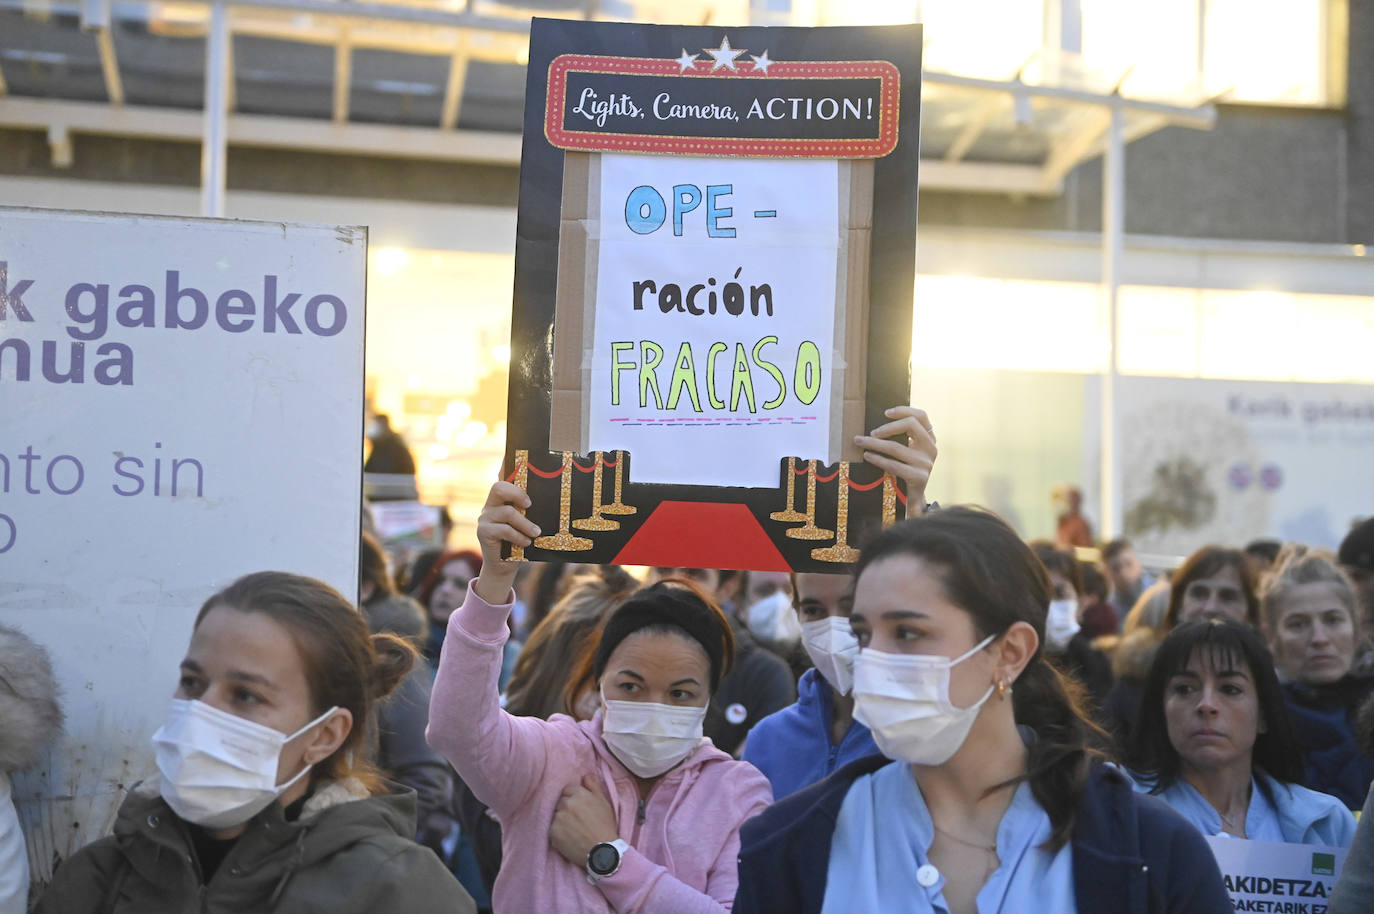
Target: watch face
603 859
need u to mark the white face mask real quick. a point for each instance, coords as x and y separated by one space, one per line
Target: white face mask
904 700
218 769
650 738
832 647
773 620
1061 624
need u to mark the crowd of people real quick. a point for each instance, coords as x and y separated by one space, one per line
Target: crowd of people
968 722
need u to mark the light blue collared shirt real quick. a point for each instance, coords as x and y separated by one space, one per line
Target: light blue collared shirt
878 853
1301 816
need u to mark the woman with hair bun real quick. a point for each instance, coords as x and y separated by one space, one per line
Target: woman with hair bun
633 810
263 801
996 797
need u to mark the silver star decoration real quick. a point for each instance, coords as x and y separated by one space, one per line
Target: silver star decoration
724 55
761 62
686 61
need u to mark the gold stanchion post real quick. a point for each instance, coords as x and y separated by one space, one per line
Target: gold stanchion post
809 530
841 551
790 513
617 506
564 540
596 521
522 478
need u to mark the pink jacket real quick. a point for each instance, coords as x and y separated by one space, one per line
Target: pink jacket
683 843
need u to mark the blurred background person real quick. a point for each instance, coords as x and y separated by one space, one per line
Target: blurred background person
1260 555
1071 527
390 453
1356 556
397 734
1132 655
443 591
1312 619
1065 641
1094 612
1215 743
30 721
283 669
1213 583
1125 575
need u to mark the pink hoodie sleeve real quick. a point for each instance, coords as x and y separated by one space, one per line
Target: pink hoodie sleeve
501 757
642 886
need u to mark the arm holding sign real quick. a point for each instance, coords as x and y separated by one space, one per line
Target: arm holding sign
499 756
904 447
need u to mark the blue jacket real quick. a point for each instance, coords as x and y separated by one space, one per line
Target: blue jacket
792 747
1131 853
1324 726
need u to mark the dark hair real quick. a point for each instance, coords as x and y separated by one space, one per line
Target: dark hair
1094 583
1268 550
1205 563
436 571
372 569
560 645
995 577
674 605
1115 548
1059 561
1221 644
345 665
550 585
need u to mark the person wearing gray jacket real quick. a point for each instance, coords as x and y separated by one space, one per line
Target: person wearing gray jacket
30 719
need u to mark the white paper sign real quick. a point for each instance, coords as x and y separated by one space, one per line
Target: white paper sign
714 322
1277 878
180 404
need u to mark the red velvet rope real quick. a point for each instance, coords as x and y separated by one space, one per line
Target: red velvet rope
901 496
609 463
540 473
820 478
865 488
513 474
586 469
801 472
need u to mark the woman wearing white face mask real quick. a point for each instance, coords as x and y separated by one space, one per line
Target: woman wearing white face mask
632 810
997 800
1065 640
809 740
260 805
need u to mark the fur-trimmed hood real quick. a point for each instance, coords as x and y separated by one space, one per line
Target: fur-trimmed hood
30 712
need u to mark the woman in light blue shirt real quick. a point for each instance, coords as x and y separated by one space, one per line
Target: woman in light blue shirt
996 798
1214 741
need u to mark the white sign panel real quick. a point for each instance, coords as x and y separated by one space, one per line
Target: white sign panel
1208 461
1277 878
182 404
715 324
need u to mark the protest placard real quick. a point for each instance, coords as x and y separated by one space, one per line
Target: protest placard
714 270
182 404
1275 878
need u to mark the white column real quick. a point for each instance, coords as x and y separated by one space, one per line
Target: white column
214 150
1113 226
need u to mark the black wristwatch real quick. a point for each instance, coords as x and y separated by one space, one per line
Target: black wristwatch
603 859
